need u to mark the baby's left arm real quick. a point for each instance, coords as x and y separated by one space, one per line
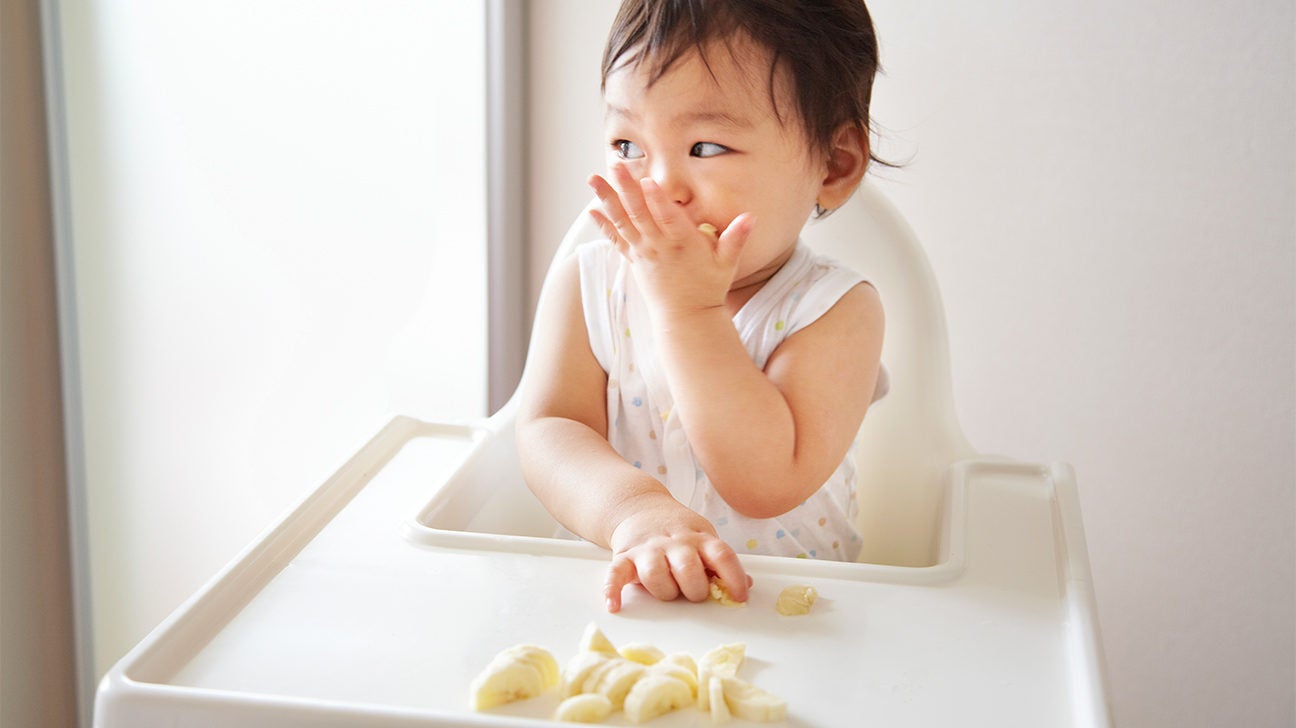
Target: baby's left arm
768 439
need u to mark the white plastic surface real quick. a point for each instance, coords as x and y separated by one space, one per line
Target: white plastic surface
379 598
374 605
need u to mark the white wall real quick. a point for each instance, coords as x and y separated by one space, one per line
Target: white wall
277 216
1106 192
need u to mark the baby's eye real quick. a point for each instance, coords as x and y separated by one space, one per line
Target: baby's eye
626 149
707 149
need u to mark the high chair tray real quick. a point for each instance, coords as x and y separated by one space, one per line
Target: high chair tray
365 606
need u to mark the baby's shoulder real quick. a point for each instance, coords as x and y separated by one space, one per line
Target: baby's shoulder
598 261
816 285
595 250
820 268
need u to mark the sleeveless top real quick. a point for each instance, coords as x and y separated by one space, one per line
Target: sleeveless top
643 430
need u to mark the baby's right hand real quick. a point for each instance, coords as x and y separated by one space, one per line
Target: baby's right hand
671 551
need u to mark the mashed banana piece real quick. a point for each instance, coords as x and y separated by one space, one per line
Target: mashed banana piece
796 600
720 594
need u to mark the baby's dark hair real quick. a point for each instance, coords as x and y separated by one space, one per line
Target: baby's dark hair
828 47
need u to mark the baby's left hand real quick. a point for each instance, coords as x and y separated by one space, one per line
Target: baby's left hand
670 551
680 268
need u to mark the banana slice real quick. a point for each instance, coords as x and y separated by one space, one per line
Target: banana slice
614 680
593 640
517 673
539 658
720 594
642 653
578 671
593 677
723 661
751 703
584 708
684 660
719 708
654 696
796 600
679 672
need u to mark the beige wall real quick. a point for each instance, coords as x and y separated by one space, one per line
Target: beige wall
565 135
1105 191
36 654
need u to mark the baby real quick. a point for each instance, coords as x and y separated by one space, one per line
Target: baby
696 381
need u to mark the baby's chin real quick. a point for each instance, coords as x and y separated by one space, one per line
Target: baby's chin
754 261
754 272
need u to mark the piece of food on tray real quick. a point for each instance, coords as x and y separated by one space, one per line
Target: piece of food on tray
720 593
796 600
640 680
518 673
584 708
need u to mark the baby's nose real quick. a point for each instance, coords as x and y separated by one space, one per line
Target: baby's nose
674 181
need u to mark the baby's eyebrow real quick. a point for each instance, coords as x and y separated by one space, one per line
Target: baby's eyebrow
703 116
720 118
617 111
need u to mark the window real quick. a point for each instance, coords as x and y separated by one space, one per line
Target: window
272 221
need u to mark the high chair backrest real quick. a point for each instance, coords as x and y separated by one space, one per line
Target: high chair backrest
909 438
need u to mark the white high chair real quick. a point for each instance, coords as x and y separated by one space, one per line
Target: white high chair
376 600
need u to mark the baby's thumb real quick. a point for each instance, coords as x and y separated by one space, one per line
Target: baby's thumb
734 238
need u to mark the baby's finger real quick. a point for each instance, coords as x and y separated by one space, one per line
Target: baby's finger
632 201
722 560
613 211
734 238
608 228
655 576
620 574
668 216
690 574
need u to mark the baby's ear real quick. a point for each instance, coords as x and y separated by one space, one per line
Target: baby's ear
848 157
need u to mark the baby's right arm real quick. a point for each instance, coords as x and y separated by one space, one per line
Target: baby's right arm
570 466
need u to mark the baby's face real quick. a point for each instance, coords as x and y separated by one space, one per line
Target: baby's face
711 140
